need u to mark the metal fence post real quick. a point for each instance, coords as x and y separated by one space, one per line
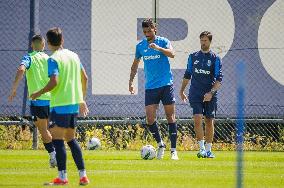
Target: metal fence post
34 29
35 138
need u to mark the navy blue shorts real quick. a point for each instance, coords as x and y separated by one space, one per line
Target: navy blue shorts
63 120
208 109
41 112
164 94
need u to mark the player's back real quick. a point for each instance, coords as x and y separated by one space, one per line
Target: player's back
69 88
37 73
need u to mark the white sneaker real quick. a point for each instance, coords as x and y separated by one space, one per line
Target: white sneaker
161 152
174 155
52 160
201 153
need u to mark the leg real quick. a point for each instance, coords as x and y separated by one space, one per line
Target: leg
61 157
198 128
76 150
170 114
151 111
209 111
152 124
209 129
40 116
42 125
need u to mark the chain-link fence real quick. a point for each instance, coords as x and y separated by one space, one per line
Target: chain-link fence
104 34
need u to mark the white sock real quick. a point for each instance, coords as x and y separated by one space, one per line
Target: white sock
62 174
173 149
201 144
52 154
82 173
161 143
208 146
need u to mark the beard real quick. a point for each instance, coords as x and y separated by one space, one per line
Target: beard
204 48
149 38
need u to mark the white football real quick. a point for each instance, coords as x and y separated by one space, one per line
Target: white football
148 152
94 143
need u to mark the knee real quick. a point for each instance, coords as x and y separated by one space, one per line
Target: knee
150 121
171 118
209 121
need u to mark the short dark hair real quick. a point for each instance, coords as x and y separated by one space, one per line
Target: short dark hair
148 23
207 34
37 38
54 36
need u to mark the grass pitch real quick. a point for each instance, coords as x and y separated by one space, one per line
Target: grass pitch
28 168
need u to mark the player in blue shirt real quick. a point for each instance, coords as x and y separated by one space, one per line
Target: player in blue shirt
204 71
155 52
34 65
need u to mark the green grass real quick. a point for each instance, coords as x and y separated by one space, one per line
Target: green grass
27 168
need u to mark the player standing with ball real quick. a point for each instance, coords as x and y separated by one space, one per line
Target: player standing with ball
155 52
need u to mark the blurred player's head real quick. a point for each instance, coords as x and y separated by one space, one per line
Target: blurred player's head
54 38
37 43
205 40
149 29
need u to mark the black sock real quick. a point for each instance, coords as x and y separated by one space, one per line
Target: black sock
77 154
155 132
49 147
60 154
173 134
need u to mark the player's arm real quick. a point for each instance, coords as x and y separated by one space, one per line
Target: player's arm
84 80
167 50
53 80
25 64
133 70
186 79
19 76
53 73
133 73
218 75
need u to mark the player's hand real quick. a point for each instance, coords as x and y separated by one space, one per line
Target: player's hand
154 46
207 97
12 95
84 109
35 95
183 96
131 88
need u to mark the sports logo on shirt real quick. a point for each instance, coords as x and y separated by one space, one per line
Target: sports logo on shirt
201 71
151 57
195 62
209 63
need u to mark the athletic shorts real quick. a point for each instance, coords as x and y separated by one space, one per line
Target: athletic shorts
164 94
41 112
63 120
208 109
